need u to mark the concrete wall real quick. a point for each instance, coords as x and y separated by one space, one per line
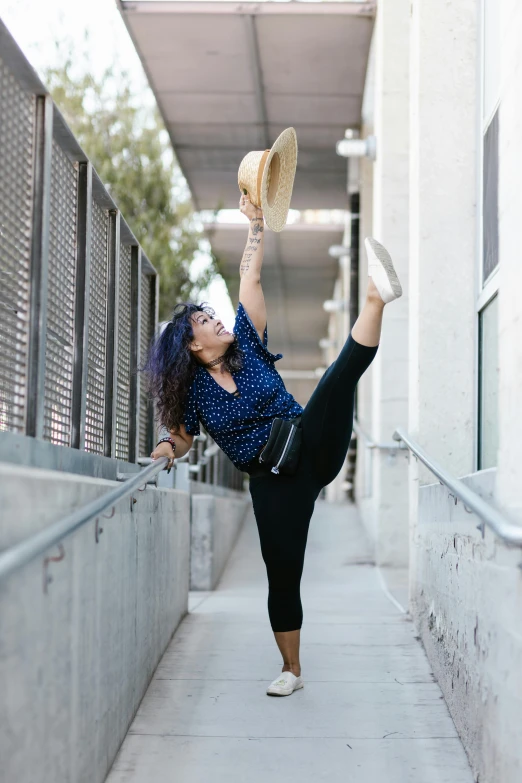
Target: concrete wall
383 391
364 499
443 261
75 662
465 593
510 304
390 226
466 602
443 215
215 525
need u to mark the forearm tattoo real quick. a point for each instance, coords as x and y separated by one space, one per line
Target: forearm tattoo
252 244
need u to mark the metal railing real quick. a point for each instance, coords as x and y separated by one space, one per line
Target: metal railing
369 447
21 554
370 443
208 464
508 531
78 296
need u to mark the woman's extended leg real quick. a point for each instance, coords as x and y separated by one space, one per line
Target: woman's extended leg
328 417
284 505
367 328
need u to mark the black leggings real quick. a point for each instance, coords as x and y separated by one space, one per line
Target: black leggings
283 505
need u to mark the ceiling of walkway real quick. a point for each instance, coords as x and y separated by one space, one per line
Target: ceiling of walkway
228 78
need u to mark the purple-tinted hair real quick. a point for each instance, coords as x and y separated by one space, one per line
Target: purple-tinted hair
171 366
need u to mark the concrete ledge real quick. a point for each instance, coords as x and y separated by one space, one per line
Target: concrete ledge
76 661
466 600
215 524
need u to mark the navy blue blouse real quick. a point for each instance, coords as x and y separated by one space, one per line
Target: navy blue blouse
241 425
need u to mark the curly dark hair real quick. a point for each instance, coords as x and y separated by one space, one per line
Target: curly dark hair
171 366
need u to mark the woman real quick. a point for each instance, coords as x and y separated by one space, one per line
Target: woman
201 372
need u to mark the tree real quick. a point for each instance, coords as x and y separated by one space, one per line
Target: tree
130 149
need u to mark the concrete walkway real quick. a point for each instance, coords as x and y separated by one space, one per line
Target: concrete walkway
369 711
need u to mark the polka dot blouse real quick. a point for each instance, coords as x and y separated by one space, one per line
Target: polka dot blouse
241 425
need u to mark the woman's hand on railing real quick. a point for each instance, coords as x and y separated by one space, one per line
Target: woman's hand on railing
164 450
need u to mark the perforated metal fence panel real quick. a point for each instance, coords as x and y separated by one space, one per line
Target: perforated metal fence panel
97 337
124 354
17 114
146 333
58 226
61 299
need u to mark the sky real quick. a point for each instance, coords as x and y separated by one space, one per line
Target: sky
37 24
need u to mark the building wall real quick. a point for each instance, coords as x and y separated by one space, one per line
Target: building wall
364 465
383 392
466 605
465 590
510 306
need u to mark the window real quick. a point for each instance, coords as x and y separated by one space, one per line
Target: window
488 386
490 199
487 303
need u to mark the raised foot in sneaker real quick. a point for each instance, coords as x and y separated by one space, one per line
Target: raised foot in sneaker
381 270
285 684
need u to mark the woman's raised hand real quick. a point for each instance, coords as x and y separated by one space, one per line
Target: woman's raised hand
248 209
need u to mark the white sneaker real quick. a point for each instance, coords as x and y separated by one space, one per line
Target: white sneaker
285 684
380 269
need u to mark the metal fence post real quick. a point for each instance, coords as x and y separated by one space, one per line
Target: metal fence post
39 266
134 408
146 332
112 333
155 316
81 328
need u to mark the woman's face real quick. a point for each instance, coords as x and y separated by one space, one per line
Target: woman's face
210 333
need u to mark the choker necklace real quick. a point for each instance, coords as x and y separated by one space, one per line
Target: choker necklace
215 361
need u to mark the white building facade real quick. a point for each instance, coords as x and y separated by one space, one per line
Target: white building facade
443 99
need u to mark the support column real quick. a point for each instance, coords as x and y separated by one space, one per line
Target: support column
443 214
388 504
443 257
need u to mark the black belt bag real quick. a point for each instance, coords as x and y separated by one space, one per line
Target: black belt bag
282 449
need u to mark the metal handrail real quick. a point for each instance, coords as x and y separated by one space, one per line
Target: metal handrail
369 447
19 555
372 444
509 532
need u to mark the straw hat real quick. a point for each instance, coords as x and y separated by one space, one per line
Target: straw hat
268 178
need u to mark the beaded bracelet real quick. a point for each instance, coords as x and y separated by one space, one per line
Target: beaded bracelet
173 444
167 440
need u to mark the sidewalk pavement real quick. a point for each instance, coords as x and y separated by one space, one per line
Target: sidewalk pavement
370 709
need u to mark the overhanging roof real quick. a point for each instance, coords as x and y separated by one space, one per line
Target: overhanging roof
229 77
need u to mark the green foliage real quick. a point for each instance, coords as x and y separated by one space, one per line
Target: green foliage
130 149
